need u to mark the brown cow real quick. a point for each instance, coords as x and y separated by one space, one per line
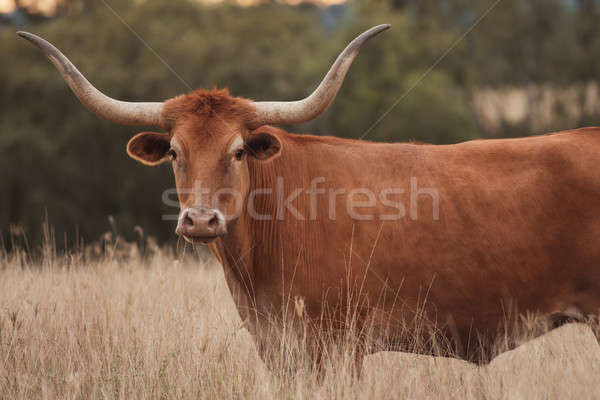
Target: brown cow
393 234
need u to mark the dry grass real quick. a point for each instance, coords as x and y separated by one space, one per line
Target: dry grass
162 326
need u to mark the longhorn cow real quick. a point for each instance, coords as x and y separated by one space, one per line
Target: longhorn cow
450 233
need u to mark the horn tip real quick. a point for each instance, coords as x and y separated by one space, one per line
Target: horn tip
369 33
28 36
366 35
43 45
381 28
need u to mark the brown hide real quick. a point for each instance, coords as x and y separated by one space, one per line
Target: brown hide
516 227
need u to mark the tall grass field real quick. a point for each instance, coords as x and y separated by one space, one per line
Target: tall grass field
134 322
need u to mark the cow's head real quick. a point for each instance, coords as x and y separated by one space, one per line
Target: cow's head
209 143
210 136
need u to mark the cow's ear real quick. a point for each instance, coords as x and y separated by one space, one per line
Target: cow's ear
149 147
263 145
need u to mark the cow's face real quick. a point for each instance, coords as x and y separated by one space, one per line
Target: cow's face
209 146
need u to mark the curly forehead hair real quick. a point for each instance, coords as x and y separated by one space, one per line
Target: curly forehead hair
208 103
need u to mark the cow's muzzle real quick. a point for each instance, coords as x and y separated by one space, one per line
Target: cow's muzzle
201 225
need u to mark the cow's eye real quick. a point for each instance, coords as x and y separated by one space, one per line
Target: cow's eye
239 154
172 154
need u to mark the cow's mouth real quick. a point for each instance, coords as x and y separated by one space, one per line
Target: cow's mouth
200 239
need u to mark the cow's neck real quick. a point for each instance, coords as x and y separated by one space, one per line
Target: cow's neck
254 243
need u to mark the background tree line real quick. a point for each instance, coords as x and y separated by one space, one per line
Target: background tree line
58 158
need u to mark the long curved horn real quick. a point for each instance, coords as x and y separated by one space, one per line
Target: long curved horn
120 112
295 112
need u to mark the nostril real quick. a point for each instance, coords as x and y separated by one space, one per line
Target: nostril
213 221
187 221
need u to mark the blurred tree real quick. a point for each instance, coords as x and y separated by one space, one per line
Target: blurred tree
57 157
